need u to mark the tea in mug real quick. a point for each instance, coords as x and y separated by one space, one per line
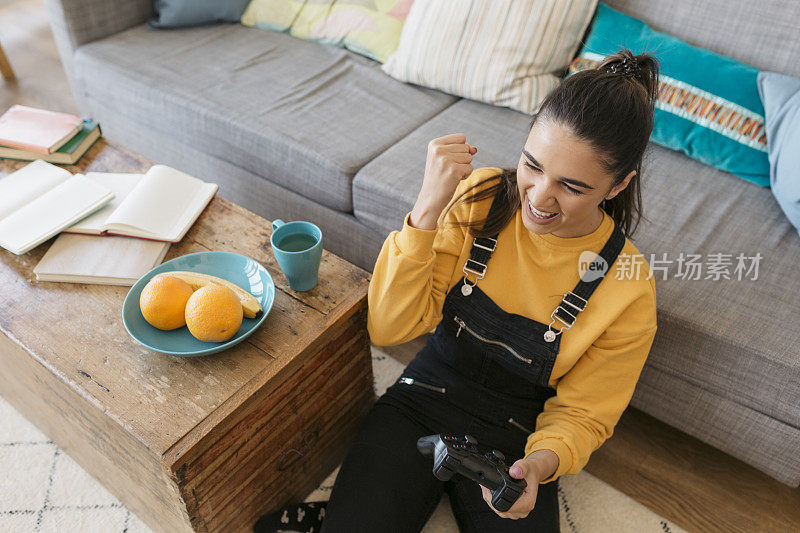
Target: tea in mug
297 242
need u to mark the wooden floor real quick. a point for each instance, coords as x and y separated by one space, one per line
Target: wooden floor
686 481
28 43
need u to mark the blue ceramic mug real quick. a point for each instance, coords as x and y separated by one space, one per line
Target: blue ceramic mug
297 247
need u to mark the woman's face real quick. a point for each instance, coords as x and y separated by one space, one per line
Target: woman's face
561 176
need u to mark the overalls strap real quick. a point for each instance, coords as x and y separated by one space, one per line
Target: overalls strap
482 248
574 301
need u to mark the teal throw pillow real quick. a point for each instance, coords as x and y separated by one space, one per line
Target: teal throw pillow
184 13
708 106
781 97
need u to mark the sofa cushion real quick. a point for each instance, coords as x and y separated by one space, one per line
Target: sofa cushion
286 109
736 338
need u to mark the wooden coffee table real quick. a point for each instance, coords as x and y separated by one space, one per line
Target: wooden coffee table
190 444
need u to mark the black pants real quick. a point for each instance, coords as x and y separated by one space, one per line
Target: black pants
386 485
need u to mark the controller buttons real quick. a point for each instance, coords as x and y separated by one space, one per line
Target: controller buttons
470 439
498 455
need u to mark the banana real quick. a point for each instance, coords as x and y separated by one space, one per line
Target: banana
250 305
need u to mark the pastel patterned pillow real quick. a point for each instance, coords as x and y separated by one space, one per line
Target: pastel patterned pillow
508 53
708 105
367 27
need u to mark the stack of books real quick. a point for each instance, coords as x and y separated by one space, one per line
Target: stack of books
28 133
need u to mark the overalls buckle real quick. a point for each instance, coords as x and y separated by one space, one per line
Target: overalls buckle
581 308
493 243
467 269
550 335
466 289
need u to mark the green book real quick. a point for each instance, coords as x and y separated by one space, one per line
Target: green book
67 154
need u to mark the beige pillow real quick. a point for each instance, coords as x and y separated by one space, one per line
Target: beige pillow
504 52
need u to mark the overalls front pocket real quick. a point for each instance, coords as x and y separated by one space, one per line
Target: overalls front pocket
485 333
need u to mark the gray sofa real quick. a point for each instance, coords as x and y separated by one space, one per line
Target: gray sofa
296 130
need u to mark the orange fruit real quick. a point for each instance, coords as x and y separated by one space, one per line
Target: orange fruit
163 301
213 313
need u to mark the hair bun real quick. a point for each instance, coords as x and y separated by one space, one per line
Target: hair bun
627 66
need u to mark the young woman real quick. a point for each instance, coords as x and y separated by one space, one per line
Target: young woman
544 312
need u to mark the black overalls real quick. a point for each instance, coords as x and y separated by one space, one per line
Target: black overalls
483 372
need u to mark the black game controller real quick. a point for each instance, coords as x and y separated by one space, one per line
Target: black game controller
461 455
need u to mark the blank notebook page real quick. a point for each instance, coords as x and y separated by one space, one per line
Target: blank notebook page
121 185
159 203
28 183
51 212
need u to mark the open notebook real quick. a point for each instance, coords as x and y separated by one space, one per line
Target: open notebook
160 205
40 199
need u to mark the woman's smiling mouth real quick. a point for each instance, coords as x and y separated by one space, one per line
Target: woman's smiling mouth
538 216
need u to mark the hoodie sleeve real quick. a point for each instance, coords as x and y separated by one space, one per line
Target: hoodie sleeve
414 270
592 395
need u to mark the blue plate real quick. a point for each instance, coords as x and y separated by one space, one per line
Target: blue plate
245 272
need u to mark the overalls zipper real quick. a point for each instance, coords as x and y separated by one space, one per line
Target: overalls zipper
411 381
520 426
461 325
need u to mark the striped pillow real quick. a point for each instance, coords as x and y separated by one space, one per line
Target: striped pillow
503 52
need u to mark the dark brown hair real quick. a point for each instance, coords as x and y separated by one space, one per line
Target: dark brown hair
610 111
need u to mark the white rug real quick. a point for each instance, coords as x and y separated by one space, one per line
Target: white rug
43 490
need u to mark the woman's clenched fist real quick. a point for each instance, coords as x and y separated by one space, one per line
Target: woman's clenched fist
449 161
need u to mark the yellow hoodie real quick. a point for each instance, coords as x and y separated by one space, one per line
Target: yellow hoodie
600 357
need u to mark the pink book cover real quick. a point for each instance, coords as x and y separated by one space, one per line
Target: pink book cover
37 130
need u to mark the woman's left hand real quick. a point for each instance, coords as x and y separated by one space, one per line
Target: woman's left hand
524 505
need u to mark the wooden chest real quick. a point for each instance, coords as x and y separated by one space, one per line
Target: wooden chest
190 444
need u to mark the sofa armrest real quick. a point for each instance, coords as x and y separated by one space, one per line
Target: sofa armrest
77 22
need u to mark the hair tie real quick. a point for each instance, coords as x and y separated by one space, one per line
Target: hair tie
626 68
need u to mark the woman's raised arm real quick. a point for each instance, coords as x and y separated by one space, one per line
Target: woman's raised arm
414 271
